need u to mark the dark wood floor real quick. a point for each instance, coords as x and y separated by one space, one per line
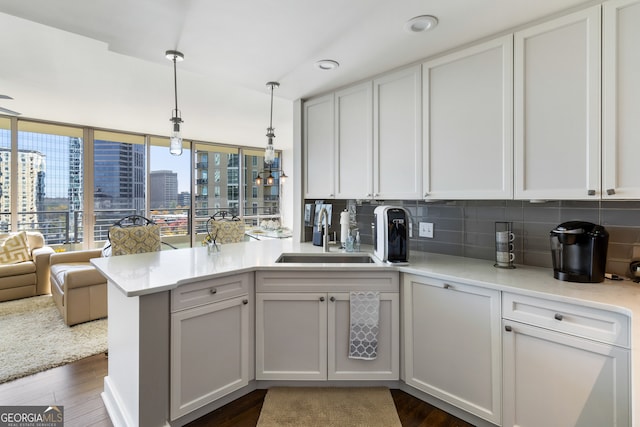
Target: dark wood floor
77 386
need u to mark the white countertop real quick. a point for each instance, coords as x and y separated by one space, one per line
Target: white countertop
152 272
141 274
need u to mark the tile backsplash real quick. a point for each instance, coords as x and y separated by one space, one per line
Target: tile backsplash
466 228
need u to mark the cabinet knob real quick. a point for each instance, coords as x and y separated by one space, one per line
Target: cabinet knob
426 195
245 301
331 195
558 317
447 286
376 194
591 192
321 299
332 299
611 191
507 328
213 291
368 196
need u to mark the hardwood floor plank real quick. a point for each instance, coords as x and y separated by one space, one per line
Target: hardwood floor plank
77 387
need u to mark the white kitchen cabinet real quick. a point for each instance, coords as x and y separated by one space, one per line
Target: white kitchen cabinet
468 123
452 343
386 365
318 148
354 142
557 108
562 366
621 100
397 135
211 341
302 326
291 336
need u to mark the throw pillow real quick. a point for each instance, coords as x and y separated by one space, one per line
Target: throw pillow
14 248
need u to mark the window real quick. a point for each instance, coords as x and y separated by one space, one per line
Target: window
50 178
129 174
221 193
5 175
263 200
119 179
170 187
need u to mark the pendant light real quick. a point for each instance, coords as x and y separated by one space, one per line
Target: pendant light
269 152
175 141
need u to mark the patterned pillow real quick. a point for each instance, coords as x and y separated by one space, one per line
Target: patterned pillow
134 240
14 248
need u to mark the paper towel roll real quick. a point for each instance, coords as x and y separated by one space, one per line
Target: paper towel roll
344 226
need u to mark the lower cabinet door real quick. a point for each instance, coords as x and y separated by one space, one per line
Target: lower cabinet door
291 336
555 379
209 353
452 343
386 365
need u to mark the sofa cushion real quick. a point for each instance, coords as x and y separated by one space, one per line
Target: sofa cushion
14 248
75 274
17 269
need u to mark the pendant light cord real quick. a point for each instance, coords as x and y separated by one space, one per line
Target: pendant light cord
175 84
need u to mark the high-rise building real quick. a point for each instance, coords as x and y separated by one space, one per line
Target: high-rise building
184 199
30 182
119 176
163 189
217 181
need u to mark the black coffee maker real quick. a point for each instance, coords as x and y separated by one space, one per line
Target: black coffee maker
579 251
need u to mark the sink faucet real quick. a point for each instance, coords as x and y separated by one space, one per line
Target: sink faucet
325 235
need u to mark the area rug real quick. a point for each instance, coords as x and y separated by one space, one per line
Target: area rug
34 337
328 407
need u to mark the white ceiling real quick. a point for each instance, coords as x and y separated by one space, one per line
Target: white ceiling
101 62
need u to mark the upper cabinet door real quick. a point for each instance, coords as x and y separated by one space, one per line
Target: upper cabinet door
621 100
397 134
468 116
557 108
354 142
318 144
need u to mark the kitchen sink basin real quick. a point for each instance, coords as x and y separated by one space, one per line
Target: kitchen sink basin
324 258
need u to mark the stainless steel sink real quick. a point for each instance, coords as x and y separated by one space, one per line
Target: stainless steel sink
324 258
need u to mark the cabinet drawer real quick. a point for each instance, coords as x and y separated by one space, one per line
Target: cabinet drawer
330 281
208 291
587 322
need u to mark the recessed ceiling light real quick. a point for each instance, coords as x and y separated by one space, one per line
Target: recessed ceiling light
327 64
420 24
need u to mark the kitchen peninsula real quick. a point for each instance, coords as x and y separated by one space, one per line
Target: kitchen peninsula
165 306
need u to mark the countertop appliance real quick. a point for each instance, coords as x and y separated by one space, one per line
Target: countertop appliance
634 269
579 251
391 234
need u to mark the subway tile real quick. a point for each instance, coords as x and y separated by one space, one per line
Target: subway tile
621 217
466 228
588 215
541 213
538 259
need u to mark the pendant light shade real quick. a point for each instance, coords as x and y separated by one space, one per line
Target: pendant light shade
175 141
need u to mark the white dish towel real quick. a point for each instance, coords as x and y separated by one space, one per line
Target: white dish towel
363 333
